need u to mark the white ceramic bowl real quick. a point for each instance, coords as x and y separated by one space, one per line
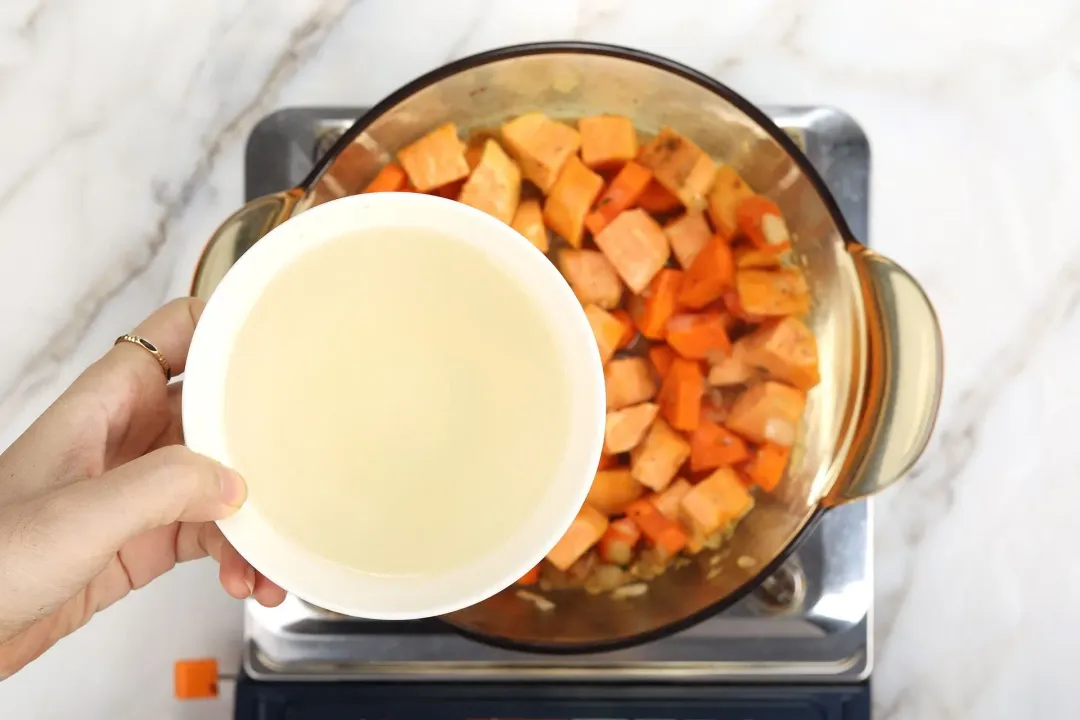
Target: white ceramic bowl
337 587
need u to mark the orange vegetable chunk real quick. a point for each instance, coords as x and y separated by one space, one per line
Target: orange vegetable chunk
767 467
653 308
436 159
569 200
668 501
542 146
688 235
661 357
761 222
636 246
655 462
607 140
716 501
612 490
617 545
680 166
628 381
391 178
586 530
658 200
714 446
773 292
620 195
681 394
786 350
661 531
606 329
711 273
749 257
625 428
768 412
530 578
495 185
529 221
629 330
591 277
728 191
700 336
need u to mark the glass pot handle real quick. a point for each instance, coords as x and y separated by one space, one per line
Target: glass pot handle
904 376
236 235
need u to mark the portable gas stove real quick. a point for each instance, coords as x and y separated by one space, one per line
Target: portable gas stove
798 647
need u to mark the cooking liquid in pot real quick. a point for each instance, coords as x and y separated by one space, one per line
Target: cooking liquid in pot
396 402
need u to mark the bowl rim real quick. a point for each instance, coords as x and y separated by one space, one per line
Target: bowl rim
710 84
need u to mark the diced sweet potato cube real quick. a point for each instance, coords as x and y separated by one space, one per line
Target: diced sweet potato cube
786 350
612 490
731 370
495 185
625 428
635 244
770 293
529 221
768 412
687 236
668 501
569 200
586 530
628 381
607 140
436 159
712 272
655 462
729 189
541 145
606 328
592 278
680 166
716 501
714 446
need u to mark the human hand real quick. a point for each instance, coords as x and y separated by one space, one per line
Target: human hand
99 497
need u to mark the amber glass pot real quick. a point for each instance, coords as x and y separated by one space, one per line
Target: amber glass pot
879 340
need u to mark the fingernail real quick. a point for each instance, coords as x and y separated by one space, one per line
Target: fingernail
233 488
249 579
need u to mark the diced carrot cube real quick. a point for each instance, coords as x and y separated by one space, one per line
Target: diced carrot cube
591 277
619 196
661 357
680 166
661 531
542 146
607 140
529 221
786 350
391 178
729 189
668 501
617 545
688 235
495 185
773 292
761 222
658 200
655 462
586 530
716 501
681 393
628 381
653 308
711 273
714 446
700 336
613 490
625 428
636 246
436 159
768 412
767 467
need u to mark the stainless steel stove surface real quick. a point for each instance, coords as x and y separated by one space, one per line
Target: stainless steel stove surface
811 622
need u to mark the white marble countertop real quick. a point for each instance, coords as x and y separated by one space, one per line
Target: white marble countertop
121 140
